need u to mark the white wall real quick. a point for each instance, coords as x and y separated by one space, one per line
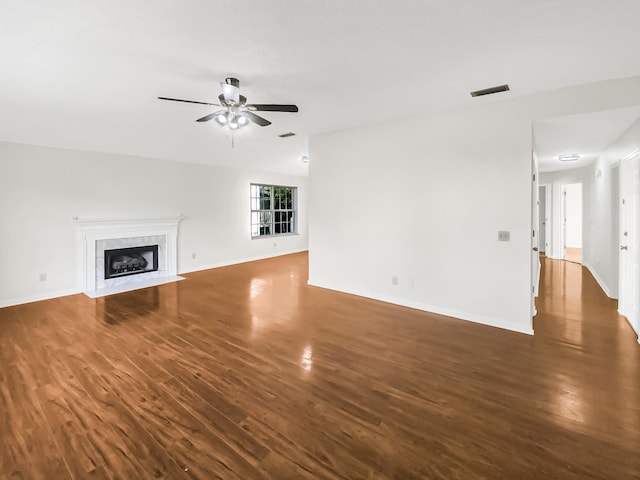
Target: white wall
605 196
42 188
423 200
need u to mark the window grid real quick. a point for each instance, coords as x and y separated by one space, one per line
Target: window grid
273 210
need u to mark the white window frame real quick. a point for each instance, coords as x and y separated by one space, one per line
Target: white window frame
255 210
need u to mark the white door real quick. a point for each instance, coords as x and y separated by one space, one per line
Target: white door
629 290
535 257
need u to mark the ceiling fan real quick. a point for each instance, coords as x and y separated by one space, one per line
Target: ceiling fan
236 112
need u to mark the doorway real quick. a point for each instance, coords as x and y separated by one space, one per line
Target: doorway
544 228
571 209
629 256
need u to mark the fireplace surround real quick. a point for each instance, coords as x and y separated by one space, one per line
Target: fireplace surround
98 236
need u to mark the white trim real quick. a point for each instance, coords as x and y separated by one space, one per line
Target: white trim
37 298
240 260
48 296
633 327
470 317
127 223
603 285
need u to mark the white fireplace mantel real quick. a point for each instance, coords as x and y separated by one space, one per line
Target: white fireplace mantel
93 231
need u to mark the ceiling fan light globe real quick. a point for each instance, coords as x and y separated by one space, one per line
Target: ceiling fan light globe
242 120
222 118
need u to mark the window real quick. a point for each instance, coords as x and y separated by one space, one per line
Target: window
273 210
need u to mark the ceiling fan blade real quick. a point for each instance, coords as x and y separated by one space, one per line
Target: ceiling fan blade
206 118
187 101
257 119
266 107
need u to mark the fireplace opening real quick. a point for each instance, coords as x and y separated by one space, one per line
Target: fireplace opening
120 262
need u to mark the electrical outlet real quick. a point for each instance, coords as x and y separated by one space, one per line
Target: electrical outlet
394 280
193 255
504 236
43 277
275 244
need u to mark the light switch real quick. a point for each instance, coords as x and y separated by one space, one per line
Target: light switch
503 236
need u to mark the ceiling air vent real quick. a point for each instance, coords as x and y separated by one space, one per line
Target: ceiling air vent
285 135
490 91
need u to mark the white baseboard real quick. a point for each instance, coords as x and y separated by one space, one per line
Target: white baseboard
37 298
470 317
237 261
633 327
601 282
47 296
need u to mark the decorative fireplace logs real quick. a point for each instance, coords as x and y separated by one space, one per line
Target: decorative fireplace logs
128 263
130 260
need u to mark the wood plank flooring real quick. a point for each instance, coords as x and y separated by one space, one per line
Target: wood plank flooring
245 372
573 254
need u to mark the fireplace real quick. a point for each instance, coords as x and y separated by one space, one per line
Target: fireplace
142 253
120 262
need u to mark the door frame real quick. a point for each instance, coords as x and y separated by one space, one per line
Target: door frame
535 224
563 219
625 270
548 225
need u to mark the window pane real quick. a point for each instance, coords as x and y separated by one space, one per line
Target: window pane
277 197
272 210
289 201
264 223
265 197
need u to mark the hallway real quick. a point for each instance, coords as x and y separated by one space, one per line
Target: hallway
591 354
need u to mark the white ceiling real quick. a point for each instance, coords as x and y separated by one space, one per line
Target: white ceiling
85 74
587 135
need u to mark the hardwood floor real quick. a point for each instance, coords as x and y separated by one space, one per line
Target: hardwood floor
245 372
573 254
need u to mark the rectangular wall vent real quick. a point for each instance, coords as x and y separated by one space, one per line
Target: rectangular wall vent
285 135
490 91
